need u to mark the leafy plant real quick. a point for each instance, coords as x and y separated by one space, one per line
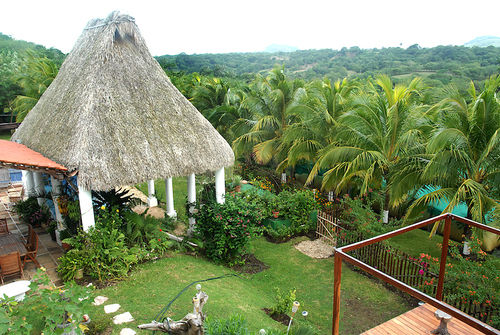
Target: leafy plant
30 211
71 262
283 301
44 308
112 200
227 228
234 325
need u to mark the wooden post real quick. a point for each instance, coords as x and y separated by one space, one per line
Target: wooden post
337 275
444 253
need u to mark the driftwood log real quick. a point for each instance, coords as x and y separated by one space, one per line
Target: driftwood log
443 323
191 324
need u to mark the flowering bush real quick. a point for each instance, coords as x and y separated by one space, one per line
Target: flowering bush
226 229
44 308
470 280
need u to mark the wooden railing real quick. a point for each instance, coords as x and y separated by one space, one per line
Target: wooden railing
356 248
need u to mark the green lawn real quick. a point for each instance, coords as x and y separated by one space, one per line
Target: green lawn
5 135
416 242
365 303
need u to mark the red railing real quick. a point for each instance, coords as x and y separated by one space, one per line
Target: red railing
341 254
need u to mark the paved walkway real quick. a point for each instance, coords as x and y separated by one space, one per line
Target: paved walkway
48 251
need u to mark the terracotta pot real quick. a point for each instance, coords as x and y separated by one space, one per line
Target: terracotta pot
237 188
276 214
65 246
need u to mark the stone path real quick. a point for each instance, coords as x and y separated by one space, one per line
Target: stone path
118 318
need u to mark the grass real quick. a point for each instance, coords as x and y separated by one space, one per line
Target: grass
5 135
416 242
365 303
179 185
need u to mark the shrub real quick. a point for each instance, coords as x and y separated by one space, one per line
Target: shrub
44 307
283 301
31 213
469 279
297 207
226 229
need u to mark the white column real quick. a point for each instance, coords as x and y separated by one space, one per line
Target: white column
39 187
28 183
169 193
86 209
220 186
56 193
191 197
152 201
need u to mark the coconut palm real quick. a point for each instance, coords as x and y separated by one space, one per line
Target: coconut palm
318 110
463 155
270 101
35 75
384 125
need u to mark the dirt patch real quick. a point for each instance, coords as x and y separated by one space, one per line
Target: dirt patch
315 249
281 318
252 265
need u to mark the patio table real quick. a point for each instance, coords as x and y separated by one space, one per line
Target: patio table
12 243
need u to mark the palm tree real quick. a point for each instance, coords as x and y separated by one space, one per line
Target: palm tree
318 111
383 127
463 155
35 75
270 102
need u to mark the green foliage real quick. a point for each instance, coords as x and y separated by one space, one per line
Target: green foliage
470 279
283 301
109 250
31 213
44 307
112 199
297 206
226 229
234 325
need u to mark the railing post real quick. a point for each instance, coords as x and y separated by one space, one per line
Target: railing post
337 274
444 254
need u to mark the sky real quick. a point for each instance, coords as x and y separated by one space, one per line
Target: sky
213 26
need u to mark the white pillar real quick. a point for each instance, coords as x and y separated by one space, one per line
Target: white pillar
39 187
56 193
28 183
169 193
191 197
152 201
283 177
220 186
86 209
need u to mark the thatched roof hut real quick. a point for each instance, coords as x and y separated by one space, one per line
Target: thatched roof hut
113 114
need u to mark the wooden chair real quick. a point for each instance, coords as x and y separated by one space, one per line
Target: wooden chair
10 264
4 228
32 248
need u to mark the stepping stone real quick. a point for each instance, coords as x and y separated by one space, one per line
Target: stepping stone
99 300
111 308
127 331
122 318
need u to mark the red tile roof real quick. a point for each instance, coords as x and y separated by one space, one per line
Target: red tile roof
12 153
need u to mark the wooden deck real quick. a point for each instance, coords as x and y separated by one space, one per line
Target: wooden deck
420 320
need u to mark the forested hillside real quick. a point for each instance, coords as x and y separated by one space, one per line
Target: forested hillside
20 63
439 65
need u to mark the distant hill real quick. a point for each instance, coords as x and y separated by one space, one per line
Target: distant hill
280 48
484 41
438 66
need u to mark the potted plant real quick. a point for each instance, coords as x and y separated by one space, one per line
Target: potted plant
51 229
65 236
276 213
236 183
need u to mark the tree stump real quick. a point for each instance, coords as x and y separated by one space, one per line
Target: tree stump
443 324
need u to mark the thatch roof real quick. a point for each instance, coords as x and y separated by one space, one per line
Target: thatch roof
113 114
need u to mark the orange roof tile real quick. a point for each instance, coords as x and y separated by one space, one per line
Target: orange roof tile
19 154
